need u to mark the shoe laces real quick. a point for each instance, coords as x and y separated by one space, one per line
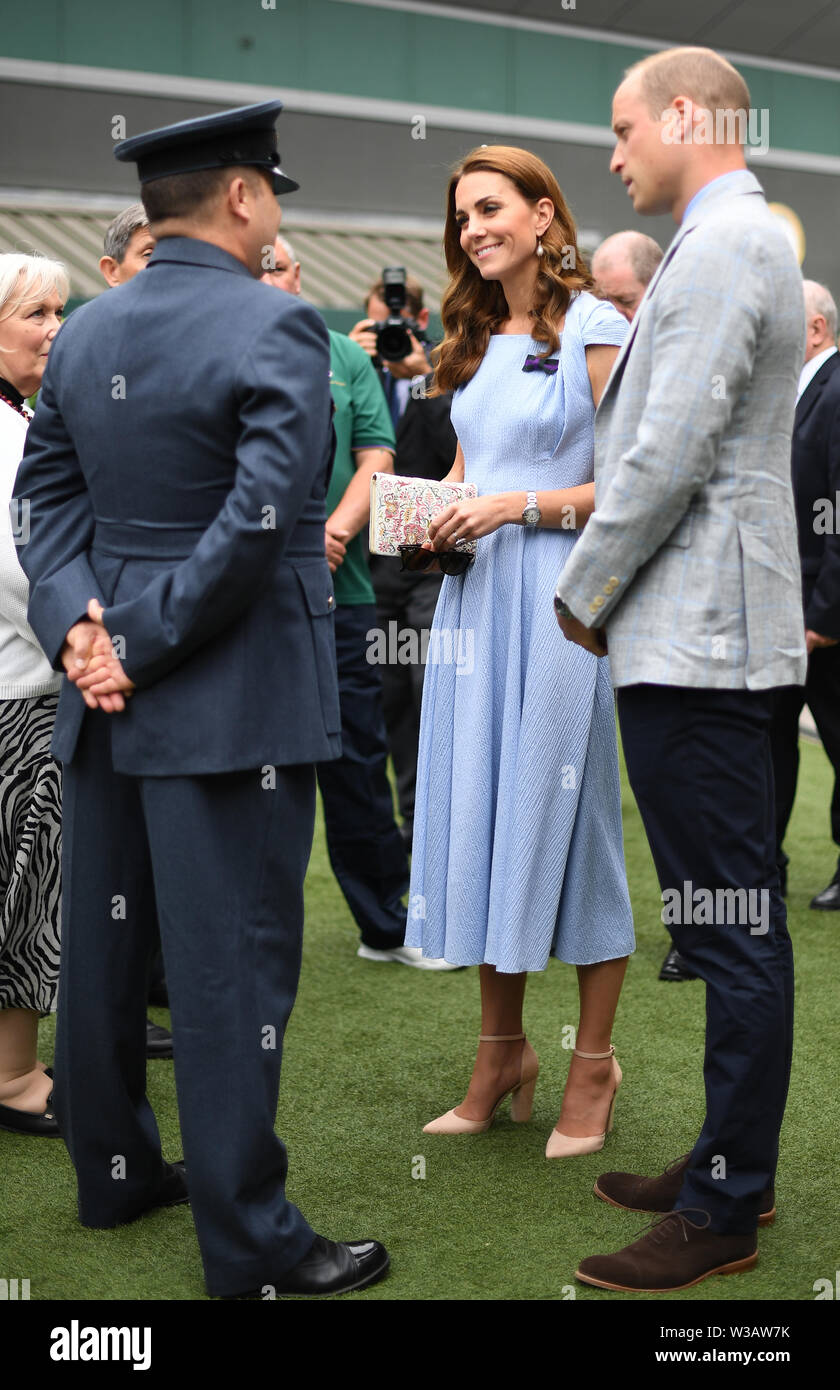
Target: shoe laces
657 1226
672 1167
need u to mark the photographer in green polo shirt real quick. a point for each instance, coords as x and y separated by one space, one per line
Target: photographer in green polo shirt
364 444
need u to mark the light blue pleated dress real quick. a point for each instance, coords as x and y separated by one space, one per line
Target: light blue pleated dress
517 852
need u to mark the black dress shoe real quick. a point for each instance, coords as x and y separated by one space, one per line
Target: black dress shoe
171 1193
25 1122
675 968
829 899
159 995
331 1267
173 1189
158 1040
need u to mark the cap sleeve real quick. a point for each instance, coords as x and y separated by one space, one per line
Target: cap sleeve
603 324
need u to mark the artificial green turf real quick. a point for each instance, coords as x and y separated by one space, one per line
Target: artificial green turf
374 1051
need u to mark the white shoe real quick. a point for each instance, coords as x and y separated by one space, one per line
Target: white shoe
406 955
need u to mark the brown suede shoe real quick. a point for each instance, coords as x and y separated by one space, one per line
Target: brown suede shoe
632 1193
674 1253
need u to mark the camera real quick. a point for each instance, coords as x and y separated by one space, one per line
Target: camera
392 334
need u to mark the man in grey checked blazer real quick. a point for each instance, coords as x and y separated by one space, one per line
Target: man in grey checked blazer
689 571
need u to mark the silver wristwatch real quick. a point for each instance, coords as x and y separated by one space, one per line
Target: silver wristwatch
531 515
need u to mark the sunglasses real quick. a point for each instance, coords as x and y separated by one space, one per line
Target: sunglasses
418 558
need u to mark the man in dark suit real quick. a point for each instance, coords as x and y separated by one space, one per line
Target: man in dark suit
365 849
189 526
816 489
406 601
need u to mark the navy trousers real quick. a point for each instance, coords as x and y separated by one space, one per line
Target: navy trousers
365 847
225 857
700 768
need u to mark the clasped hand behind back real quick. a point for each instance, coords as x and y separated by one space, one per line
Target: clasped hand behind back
90 663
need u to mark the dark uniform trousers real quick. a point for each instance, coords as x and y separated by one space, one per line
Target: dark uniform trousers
821 693
365 847
232 950
700 768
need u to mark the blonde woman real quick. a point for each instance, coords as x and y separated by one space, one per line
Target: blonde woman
33 292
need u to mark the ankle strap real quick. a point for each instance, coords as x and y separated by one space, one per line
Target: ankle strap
500 1037
595 1056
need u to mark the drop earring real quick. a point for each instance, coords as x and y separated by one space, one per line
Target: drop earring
540 251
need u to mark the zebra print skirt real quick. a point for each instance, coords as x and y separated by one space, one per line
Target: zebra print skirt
30 855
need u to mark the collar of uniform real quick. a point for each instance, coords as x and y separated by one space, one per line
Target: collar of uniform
730 185
190 251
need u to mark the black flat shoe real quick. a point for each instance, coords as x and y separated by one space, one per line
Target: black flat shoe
173 1189
171 1193
331 1267
829 899
158 1040
675 968
25 1122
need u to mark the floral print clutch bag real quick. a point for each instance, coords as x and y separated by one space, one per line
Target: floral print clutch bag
401 509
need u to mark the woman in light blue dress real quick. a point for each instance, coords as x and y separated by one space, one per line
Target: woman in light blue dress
517 852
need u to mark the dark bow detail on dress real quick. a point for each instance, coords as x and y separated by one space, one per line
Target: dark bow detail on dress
533 363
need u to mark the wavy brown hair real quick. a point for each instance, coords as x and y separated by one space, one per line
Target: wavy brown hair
472 308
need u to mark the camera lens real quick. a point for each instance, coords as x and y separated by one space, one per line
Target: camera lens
393 342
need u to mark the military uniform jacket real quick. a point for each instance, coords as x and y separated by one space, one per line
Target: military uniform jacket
176 470
690 560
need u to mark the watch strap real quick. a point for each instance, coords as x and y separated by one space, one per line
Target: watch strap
531 504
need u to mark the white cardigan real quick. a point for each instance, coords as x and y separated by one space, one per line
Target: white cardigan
24 670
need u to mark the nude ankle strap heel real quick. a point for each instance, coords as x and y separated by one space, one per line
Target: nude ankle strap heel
566 1145
521 1095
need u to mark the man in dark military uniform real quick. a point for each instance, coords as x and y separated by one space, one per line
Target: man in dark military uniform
175 474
